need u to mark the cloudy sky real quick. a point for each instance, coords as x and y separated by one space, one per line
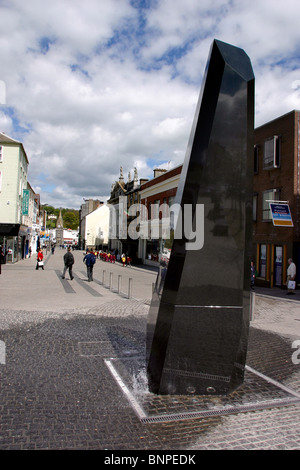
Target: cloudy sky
90 86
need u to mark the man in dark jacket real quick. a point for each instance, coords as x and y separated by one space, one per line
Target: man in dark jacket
89 260
68 263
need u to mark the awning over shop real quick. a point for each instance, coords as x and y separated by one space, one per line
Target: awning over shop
9 230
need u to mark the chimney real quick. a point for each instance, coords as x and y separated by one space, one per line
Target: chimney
158 172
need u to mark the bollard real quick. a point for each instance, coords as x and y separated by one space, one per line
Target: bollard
110 280
103 277
130 288
119 283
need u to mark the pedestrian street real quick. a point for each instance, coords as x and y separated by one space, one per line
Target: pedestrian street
24 286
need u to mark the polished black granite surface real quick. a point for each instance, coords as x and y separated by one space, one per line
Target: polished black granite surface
198 321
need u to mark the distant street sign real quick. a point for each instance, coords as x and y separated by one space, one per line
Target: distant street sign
25 202
281 215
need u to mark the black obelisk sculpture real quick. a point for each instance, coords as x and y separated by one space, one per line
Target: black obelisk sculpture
197 329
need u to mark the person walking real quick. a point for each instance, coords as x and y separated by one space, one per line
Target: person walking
291 277
68 263
40 260
89 260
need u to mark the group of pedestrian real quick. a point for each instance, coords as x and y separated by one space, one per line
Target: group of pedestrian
126 260
108 257
90 260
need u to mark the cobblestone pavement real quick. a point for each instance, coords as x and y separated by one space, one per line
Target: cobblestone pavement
56 391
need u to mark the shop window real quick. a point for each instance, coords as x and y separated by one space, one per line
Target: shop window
152 248
155 209
269 196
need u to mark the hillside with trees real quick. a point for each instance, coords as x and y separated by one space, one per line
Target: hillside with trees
70 217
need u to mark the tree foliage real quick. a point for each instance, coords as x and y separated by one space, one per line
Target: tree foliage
70 217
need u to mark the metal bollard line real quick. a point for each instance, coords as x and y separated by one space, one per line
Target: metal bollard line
119 287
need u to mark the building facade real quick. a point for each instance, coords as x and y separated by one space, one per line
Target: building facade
157 195
13 194
276 178
123 196
86 208
97 228
30 220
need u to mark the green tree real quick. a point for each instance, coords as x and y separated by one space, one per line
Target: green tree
70 217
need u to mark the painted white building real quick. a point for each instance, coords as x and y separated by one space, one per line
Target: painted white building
13 182
97 228
70 236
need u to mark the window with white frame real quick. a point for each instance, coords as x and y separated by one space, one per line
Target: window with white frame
269 196
272 153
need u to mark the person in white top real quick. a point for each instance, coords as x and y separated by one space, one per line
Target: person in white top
291 275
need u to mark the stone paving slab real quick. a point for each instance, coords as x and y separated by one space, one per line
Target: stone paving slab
56 391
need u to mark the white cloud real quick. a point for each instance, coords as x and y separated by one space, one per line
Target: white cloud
91 89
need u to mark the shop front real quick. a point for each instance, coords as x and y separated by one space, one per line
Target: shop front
14 239
9 241
271 264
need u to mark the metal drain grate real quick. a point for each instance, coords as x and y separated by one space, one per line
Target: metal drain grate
260 392
220 412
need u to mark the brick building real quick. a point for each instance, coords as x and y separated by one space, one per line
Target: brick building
277 178
154 194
